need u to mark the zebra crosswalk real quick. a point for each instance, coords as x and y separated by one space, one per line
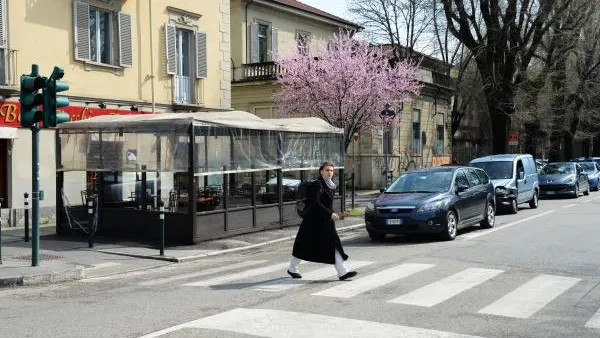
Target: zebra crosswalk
416 284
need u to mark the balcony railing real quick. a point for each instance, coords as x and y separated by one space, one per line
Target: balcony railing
443 80
8 67
184 89
256 72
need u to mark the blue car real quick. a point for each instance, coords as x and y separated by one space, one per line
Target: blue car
564 178
592 169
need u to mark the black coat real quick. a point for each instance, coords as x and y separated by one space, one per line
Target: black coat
317 237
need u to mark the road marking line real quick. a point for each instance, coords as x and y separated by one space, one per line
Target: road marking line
315 275
202 273
530 297
569 206
594 322
467 237
447 288
144 271
240 275
102 265
276 323
372 281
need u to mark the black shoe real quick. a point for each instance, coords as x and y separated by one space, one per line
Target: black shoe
348 275
294 274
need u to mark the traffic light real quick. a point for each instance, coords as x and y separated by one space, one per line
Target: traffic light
30 97
52 117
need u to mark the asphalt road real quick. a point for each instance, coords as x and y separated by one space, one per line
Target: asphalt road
534 275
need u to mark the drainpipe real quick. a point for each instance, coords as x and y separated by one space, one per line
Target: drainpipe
151 57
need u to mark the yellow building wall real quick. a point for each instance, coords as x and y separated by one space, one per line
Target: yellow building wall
287 25
42 32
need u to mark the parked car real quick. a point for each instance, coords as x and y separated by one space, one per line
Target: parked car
515 179
564 178
437 200
592 169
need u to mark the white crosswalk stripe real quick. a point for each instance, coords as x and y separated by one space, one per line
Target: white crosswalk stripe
277 323
202 273
594 322
447 288
241 275
375 280
319 274
530 297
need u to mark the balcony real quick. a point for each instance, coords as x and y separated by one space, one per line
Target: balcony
261 71
443 80
8 67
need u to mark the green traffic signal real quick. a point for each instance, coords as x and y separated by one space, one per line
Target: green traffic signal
52 117
30 97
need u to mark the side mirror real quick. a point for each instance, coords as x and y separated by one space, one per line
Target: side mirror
461 188
381 190
521 175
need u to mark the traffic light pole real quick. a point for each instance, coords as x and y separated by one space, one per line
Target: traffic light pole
35 195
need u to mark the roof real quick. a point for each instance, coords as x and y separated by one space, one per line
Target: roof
229 119
306 8
502 157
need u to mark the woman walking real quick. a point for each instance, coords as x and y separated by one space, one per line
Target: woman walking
317 239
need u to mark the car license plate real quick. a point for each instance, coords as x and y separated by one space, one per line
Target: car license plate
550 192
395 221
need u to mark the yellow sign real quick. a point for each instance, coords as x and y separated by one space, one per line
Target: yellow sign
440 160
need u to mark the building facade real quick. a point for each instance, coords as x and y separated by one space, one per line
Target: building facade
119 57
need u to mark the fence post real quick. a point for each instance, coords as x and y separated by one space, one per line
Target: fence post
26 210
90 208
162 227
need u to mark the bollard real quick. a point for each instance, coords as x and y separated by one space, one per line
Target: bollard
162 227
353 190
90 205
26 210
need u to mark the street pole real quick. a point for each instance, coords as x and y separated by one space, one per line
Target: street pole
385 157
26 195
1 200
90 228
162 227
35 195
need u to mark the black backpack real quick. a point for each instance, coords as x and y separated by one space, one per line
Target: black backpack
302 197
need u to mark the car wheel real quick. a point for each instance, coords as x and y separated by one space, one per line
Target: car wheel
514 206
533 204
587 190
597 185
576 194
376 236
451 223
490 216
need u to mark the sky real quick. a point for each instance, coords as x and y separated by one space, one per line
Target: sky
335 7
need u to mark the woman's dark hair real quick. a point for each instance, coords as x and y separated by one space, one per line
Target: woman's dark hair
326 164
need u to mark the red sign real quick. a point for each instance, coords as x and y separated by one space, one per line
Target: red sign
10 113
513 138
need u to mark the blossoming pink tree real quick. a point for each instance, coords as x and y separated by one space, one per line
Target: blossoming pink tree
347 83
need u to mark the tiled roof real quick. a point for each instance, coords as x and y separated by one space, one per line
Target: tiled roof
304 7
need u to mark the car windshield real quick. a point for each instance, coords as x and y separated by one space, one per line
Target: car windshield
426 182
497 170
589 166
558 169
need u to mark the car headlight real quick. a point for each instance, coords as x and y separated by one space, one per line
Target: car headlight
430 206
501 191
370 206
570 180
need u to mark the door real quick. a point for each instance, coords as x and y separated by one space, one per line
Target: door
464 204
521 177
581 178
479 191
4 172
184 79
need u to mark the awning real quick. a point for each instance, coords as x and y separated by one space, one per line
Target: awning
8 132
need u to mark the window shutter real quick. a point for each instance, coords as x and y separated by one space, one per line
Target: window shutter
254 43
171 49
81 29
3 28
125 44
201 61
274 41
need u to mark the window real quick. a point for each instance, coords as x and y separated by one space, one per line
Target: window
439 145
416 130
263 43
102 35
303 41
461 179
474 179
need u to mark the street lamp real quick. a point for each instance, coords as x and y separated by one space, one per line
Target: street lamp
387 115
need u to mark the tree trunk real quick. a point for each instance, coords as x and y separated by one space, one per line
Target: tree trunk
568 146
532 131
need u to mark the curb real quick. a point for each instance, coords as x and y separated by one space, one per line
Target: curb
222 252
72 274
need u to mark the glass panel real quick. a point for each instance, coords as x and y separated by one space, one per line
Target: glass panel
104 26
210 193
263 43
240 190
93 36
266 187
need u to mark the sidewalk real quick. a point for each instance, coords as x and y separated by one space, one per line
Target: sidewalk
65 258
